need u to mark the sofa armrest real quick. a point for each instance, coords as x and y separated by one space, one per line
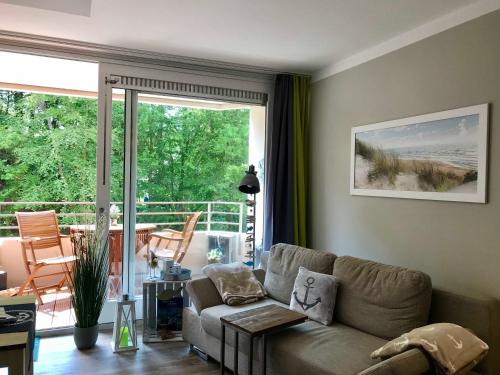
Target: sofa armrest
260 275
410 362
264 258
203 294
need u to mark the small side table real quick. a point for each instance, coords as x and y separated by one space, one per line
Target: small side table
13 352
151 290
259 322
22 307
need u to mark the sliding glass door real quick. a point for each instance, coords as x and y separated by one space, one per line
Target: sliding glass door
116 191
165 160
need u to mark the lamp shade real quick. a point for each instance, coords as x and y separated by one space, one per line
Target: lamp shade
249 184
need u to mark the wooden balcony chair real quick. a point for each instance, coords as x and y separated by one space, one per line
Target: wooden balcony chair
39 231
171 243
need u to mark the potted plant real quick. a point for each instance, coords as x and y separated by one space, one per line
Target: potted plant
114 214
90 283
214 255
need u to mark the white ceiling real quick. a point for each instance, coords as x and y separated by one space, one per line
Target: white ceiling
79 7
287 35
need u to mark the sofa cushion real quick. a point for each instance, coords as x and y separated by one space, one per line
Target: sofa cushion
383 300
312 348
283 266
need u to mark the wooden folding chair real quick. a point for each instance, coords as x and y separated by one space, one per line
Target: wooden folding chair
39 231
175 244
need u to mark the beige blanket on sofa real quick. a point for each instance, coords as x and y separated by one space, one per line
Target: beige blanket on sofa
236 283
453 348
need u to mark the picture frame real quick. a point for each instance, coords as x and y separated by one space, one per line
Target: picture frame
435 156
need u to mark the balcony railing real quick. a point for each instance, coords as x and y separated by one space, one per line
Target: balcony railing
226 216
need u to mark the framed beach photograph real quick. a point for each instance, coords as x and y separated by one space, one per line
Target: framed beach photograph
439 156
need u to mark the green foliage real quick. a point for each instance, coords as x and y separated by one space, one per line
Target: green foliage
47 147
48 151
191 154
90 275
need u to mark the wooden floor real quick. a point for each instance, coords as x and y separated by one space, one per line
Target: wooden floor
58 355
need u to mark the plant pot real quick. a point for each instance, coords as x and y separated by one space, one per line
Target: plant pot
85 338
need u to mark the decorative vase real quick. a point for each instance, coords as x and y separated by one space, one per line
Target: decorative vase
85 338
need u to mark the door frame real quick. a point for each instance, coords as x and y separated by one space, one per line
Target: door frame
103 196
104 132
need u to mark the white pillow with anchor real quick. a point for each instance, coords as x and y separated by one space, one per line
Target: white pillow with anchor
314 295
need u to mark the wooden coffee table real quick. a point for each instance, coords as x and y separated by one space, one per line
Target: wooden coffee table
258 322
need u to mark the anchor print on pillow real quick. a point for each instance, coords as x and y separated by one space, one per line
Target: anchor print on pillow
304 304
314 295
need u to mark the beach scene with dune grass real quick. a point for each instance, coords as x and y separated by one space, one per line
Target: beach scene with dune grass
434 156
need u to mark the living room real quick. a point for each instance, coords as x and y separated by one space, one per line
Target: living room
262 187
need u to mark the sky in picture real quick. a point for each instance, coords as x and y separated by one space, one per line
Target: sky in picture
461 130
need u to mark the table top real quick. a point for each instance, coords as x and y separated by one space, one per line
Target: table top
112 228
263 320
13 339
161 281
17 300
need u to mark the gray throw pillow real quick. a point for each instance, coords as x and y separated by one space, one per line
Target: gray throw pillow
314 295
283 266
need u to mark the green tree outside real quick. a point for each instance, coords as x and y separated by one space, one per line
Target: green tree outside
48 153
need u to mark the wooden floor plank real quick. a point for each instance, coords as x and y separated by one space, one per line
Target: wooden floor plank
58 355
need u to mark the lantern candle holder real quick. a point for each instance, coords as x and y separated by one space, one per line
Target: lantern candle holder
124 329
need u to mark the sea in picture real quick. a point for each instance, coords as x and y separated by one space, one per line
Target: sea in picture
435 156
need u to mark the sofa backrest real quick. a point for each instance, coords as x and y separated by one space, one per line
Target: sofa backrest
481 315
283 266
385 301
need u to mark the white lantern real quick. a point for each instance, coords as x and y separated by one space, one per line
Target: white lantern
124 329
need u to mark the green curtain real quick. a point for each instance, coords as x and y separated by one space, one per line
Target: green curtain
301 104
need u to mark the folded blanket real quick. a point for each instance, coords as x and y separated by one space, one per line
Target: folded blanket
235 282
452 347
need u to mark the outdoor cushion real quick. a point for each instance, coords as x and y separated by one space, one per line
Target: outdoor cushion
382 300
283 266
312 348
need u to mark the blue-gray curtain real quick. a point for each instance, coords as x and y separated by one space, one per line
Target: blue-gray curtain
278 220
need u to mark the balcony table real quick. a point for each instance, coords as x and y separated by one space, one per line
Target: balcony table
142 232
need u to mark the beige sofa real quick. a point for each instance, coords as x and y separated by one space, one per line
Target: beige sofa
375 303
